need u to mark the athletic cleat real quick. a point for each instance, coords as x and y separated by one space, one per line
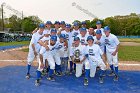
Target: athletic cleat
28 76
111 74
70 73
86 82
101 80
37 82
58 74
51 78
116 78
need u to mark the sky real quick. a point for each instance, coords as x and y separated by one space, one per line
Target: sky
68 10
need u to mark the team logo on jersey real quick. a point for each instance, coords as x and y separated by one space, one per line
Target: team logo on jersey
91 52
82 41
107 42
59 47
67 36
75 34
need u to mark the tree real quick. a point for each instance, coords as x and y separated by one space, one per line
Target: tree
30 23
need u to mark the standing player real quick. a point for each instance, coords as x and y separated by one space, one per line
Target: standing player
67 47
112 45
83 60
34 48
62 25
48 28
84 24
100 40
57 25
83 36
58 54
91 32
99 27
95 57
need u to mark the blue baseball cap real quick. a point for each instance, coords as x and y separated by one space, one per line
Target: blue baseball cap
98 31
48 22
53 30
98 22
62 22
54 38
41 25
76 38
56 22
106 28
83 29
62 36
83 22
68 26
76 24
90 38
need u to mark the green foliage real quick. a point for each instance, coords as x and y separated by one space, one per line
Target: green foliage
30 23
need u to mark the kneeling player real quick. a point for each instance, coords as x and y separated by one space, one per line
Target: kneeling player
47 51
78 52
95 57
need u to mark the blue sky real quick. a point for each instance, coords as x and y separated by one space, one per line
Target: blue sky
63 9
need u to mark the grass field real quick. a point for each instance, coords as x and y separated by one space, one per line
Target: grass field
129 53
14 43
137 40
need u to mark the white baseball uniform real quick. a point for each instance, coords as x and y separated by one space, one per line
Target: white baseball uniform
35 38
94 57
79 67
101 42
111 43
83 40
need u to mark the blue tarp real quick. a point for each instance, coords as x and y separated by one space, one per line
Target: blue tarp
10 47
12 80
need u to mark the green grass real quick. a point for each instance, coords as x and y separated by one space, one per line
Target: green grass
14 43
137 40
129 53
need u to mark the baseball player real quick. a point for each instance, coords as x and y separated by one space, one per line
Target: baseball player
47 51
99 27
83 36
67 48
91 32
57 25
95 57
100 40
74 33
48 28
84 24
34 48
82 57
112 45
58 54
62 25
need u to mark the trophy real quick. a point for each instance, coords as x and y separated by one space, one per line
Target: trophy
76 56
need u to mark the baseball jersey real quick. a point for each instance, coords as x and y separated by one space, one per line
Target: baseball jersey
94 52
101 42
111 43
46 31
35 38
74 33
81 48
83 40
